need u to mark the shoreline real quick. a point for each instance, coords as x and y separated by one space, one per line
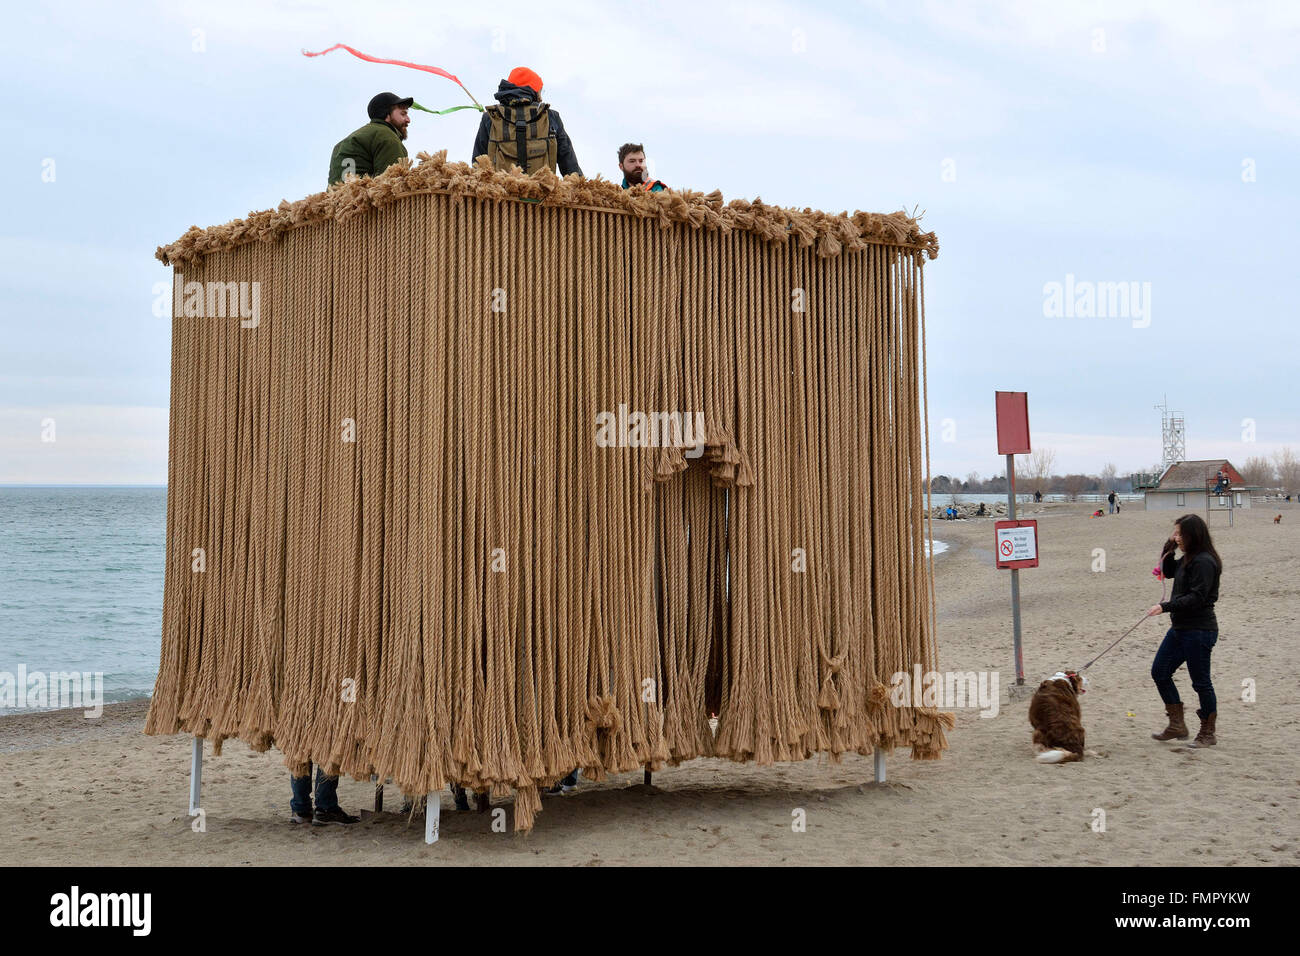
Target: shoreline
30 730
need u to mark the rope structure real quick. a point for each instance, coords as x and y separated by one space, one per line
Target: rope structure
419 562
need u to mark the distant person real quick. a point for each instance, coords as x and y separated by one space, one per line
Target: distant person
1194 629
370 150
327 801
1110 500
631 163
520 130
981 511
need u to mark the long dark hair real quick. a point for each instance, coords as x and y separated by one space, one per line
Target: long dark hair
1196 537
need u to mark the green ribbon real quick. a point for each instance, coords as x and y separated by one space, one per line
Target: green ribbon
450 109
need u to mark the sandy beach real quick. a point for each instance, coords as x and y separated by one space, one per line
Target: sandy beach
77 791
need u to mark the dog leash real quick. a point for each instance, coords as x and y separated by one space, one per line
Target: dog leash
1117 640
1160 573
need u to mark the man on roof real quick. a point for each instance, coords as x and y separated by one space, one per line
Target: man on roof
370 150
631 163
520 130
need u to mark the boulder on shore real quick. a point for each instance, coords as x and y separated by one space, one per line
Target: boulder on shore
966 510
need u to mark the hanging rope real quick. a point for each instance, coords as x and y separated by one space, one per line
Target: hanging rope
421 565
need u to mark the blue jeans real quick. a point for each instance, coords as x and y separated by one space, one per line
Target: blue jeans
1192 648
327 793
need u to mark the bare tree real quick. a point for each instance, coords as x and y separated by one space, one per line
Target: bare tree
1075 484
1288 470
973 481
1108 477
1258 471
1038 470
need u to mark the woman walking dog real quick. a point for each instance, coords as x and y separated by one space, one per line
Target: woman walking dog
1194 628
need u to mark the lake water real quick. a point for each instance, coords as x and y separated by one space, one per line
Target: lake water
81 583
1000 498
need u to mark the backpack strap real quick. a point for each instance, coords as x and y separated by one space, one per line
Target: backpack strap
521 137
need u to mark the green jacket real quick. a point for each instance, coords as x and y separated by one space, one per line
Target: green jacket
371 149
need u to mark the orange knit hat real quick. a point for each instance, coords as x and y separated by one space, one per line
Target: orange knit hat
522 76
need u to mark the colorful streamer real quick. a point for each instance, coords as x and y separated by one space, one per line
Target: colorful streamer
414 66
450 109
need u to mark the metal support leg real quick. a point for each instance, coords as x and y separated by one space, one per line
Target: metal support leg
647 776
196 774
879 762
379 792
432 810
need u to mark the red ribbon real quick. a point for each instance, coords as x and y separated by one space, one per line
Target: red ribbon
414 66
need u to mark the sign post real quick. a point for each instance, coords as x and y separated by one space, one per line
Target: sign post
1012 410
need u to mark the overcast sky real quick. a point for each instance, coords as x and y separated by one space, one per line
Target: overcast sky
1053 142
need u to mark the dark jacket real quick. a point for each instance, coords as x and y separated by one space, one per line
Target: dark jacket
372 149
1196 588
565 157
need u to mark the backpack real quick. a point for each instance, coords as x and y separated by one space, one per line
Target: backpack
519 134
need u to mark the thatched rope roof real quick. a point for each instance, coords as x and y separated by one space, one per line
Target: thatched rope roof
831 234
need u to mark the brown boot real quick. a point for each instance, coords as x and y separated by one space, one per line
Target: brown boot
1177 729
1205 736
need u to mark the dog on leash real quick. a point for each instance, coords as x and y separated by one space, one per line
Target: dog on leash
1056 718
1277 520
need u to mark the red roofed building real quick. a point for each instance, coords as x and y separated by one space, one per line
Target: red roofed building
1185 484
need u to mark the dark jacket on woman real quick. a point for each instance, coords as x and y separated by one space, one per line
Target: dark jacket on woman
1196 588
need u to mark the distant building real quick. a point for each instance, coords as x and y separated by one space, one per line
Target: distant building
1142 480
1185 485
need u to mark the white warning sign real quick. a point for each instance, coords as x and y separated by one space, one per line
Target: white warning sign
1017 543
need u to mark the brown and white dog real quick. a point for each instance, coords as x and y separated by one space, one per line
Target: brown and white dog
1056 718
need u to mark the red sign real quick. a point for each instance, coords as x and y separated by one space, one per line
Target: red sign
1016 544
1013 422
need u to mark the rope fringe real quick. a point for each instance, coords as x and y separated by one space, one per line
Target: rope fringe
829 234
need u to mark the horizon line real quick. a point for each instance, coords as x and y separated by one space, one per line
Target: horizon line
79 484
